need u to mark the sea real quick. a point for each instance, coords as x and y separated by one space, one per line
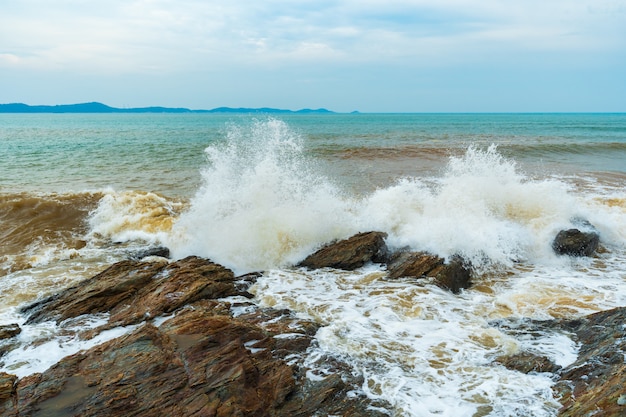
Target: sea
258 192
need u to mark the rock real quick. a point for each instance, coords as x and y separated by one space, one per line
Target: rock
594 383
574 242
133 291
350 253
527 362
414 264
7 387
101 293
9 330
156 251
198 363
453 275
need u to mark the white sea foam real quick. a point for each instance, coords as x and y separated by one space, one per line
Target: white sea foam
265 204
51 345
262 203
132 216
422 349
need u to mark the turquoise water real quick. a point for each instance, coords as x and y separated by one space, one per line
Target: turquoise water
164 152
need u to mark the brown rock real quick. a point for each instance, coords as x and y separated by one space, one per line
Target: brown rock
9 330
177 284
198 363
527 362
133 291
453 275
594 383
7 388
350 253
118 283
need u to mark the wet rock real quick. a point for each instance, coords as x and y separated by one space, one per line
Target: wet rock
133 291
574 242
527 362
453 275
160 251
414 264
594 383
198 363
350 253
9 330
118 283
7 387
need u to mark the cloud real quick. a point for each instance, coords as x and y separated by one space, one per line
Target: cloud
343 49
165 35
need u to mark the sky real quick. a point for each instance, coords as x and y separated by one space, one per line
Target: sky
343 55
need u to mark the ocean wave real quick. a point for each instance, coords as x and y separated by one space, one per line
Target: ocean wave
265 204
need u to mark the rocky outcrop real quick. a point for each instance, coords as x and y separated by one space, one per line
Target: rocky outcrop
351 253
202 361
198 363
362 248
453 275
574 242
132 291
595 383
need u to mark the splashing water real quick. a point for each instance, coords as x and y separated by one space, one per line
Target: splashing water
265 204
262 203
481 208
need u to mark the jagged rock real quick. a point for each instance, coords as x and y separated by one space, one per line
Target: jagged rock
132 291
9 330
453 275
7 387
350 253
574 242
198 363
527 362
594 383
414 264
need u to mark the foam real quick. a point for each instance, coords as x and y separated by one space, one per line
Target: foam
265 203
436 362
54 345
262 203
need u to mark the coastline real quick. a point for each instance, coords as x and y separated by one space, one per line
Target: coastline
197 343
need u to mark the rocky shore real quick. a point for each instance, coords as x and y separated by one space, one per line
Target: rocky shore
200 348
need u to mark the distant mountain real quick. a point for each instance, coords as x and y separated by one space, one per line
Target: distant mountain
103 108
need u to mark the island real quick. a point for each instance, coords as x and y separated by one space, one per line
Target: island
95 107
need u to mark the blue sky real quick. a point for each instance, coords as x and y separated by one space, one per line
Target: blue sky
366 55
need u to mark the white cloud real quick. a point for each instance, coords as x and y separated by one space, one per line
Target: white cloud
325 43
166 35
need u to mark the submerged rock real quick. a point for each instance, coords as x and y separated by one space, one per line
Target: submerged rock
574 242
351 253
160 251
9 330
453 275
527 362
